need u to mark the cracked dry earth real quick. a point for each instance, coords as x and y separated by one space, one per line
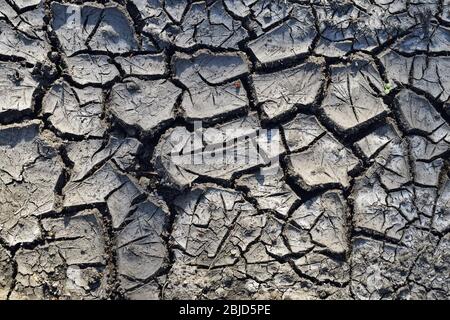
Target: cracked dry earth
94 94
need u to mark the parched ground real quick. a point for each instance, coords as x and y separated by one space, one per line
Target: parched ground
101 196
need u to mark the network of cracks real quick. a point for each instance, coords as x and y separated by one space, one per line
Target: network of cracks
96 95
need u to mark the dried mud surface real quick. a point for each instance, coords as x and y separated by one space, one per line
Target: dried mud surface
93 95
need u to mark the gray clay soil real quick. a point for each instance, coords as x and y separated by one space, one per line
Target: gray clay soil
94 205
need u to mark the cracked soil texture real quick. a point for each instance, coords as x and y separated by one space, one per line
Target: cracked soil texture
96 95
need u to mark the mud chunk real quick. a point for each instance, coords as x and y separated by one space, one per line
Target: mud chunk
281 92
431 74
208 78
85 228
418 113
376 141
397 67
17 44
326 162
270 191
351 101
145 104
96 188
141 250
325 218
292 38
30 169
426 37
143 65
91 69
17 87
268 13
74 111
89 154
302 131
91 26
218 152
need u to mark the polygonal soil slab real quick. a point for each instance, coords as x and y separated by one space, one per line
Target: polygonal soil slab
218 152
283 91
93 26
189 26
72 111
302 131
351 101
143 65
88 69
326 162
145 104
325 217
208 78
141 250
17 44
17 88
30 169
293 38
270 191
72 264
